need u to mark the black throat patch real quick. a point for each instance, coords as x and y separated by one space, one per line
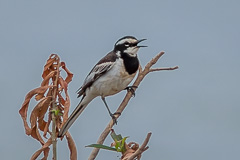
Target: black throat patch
131 64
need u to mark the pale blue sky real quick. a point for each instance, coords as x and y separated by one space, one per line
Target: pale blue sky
193 112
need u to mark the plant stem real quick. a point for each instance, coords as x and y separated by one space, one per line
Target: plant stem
54 140
54 108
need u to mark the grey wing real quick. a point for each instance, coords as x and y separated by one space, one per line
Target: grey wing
95 73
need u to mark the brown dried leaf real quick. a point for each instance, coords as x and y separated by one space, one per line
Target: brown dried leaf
66 108
39 110
47 75
45 148
61 99
69 74
36 135
72 147
66 103
39 96
131 149
47 78
63 84
23 110
45 153
44 108
133 145
42 124
50 91
47 126
37 115
49 66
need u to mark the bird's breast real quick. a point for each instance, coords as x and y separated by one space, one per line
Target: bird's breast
114 81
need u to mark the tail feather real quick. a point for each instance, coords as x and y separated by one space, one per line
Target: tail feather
78 110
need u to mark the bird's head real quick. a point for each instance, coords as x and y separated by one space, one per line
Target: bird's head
129 45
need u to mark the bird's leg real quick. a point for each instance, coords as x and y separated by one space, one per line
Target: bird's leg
110 113
131 89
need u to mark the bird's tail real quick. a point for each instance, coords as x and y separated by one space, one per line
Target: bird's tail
75 114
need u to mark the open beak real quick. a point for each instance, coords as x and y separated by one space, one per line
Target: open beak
141 41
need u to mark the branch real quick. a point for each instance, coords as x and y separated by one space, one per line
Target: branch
162 69
141 75
142 148
54 107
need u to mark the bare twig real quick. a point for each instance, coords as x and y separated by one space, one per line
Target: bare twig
141 75
142 148
72 147
162 69
54 140
54 107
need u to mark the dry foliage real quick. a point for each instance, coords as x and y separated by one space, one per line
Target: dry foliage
52 100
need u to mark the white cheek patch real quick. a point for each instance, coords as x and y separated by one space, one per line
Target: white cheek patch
132 51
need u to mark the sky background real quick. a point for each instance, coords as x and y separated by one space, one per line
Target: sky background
192 112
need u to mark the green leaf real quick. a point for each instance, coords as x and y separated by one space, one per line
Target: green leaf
116 137
102 147
56 112
123 149
117 146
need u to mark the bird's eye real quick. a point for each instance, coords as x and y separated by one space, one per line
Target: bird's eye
126 44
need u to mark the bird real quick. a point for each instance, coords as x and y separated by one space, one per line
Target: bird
112 74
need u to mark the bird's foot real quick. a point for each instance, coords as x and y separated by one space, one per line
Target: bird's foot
114 118
131 89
